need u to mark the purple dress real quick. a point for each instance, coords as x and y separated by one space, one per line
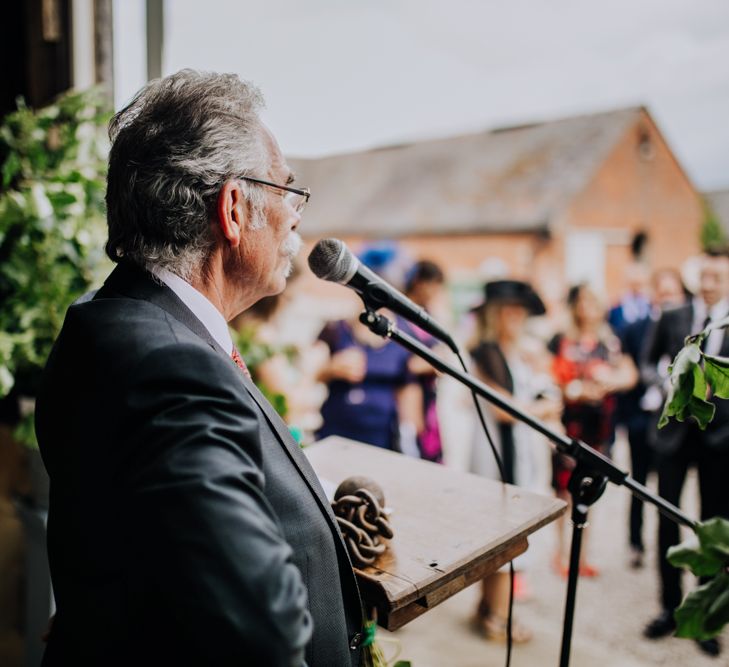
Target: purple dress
429 442
367 410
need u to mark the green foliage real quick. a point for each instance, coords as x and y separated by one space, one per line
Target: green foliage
255 353
716 370
25 431
687 391
693 376
712 233
705 611
52 227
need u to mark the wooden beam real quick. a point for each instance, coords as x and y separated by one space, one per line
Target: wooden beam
104 44
155 38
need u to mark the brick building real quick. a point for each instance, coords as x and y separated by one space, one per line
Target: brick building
718 201
557 202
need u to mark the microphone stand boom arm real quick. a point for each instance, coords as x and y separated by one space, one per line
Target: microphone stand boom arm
588 480
577 449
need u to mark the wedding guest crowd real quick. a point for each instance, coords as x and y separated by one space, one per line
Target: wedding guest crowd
601 376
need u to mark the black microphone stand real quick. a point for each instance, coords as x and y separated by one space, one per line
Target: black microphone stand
589 478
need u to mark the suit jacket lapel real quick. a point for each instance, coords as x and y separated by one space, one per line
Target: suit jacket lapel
294 452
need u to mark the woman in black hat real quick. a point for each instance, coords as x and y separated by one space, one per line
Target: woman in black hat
504 361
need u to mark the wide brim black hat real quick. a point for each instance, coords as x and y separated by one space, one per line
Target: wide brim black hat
512 291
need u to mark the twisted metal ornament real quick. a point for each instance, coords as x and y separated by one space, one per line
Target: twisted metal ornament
361 519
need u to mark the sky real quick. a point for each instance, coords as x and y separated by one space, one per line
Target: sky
346 75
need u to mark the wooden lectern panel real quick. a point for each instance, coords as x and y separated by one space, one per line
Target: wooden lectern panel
451 528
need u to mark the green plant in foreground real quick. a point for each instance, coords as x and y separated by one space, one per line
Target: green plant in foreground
695 375
705 611
52 228
692 375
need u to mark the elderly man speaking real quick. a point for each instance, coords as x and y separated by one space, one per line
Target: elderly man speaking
185 525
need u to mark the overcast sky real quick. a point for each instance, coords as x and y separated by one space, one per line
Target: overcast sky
340 75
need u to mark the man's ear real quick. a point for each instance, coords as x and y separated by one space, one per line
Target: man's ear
232 212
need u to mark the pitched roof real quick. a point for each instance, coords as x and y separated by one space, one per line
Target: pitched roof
513 179
718 200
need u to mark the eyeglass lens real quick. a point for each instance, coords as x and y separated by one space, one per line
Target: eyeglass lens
297 201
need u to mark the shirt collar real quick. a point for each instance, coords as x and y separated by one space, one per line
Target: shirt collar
200 306
719 309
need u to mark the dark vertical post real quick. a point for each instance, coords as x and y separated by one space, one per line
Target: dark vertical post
155 38
104 45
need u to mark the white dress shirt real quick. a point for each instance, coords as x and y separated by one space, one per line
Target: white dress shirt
717 312
200 306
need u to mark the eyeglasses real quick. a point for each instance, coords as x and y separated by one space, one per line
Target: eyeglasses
296 198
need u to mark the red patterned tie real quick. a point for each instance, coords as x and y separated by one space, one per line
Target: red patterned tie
235 356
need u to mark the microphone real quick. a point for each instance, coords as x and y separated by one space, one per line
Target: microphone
331 260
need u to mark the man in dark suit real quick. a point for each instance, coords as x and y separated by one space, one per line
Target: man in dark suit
680 445
185 526
637 406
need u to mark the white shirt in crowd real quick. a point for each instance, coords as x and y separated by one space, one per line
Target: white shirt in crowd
717 312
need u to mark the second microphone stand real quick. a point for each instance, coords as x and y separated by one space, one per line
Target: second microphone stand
587 482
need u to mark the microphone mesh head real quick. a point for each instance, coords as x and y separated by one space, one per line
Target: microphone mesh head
330 260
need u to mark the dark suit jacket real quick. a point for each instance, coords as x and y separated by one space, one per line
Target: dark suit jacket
667 338
186 526
633 338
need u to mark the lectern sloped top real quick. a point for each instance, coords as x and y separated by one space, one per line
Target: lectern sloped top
451 528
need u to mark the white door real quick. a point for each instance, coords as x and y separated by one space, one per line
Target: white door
585 259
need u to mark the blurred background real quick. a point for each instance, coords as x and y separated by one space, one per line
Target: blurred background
554 143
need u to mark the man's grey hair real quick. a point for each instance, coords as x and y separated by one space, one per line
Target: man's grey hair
173 147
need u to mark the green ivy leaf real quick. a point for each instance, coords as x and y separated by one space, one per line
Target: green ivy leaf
690 555
680 388
701 410
714 538
717 615
704 611
717 374
687 392
700 387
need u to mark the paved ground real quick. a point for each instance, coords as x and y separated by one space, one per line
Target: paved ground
611 609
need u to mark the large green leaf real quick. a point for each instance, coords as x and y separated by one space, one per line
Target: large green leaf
717 374
687 392
701 410
700 387
704 611
682 382
691 556
717 616
714 538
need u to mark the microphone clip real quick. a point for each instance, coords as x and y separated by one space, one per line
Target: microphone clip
376 323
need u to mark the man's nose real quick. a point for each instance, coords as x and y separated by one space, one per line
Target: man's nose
296 220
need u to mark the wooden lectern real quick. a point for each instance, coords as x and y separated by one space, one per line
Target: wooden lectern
451 528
